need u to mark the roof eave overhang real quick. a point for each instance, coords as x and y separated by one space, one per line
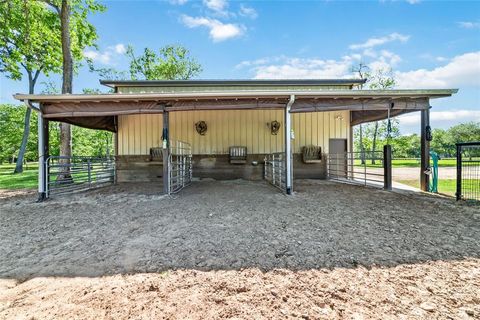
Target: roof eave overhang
327 94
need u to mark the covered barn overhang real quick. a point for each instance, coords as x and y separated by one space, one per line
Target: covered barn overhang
99 111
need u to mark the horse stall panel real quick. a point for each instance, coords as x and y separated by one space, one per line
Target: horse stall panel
252 129
225 128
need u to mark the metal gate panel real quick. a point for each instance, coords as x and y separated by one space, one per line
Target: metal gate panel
179 166
364 168
69 174
274 171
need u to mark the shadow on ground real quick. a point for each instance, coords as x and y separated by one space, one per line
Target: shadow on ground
230 225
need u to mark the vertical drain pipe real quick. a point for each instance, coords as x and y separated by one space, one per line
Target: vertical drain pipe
288 146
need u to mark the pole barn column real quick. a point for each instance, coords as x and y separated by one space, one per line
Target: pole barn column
288 146
165 153
425 136
43 154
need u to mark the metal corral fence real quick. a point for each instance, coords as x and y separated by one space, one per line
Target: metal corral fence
179 166
364 168
274 171
468 171
68 174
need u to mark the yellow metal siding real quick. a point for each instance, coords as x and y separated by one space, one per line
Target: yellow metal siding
138 133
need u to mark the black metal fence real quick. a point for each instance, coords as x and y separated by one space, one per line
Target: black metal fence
468 171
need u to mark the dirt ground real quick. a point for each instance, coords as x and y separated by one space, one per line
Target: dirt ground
414 173
240 250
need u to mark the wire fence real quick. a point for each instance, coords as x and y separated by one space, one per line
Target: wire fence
69 174
179 166
274 171
468 171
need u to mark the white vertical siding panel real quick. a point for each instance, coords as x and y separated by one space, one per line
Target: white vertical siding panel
138 133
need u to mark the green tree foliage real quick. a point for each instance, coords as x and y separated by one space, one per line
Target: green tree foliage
31 42
28 46
443 143
11 125
173 62
86 142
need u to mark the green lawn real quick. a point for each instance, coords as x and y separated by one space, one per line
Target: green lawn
26 180
409 163
446 186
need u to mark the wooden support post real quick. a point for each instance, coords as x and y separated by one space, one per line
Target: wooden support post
43 154
165 153
387 167
424 150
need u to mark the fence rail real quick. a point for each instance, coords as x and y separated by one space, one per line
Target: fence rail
179 166
365 168
468 171
68 174
274 171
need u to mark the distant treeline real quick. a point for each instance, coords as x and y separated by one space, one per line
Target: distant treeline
85 142
408 146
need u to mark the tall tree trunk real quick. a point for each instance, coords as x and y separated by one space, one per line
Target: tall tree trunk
362 146
65 129
374 142
32 79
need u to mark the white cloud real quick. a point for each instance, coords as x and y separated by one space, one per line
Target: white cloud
219 31
373 42
107 56
413 1
469 25
102 57
120 48
462 70
442 116
248 12
216 5
284 68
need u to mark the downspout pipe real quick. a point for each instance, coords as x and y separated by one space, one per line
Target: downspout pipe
288 146
42 174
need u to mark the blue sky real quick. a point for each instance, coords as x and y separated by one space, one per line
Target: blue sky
427 44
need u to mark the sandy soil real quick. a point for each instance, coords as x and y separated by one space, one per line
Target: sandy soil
239 250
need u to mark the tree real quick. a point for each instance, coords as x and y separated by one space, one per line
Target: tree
361 69
83 34
464 132
380 80
28 45
172 63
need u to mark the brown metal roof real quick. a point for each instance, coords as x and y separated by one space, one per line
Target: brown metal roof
233 83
